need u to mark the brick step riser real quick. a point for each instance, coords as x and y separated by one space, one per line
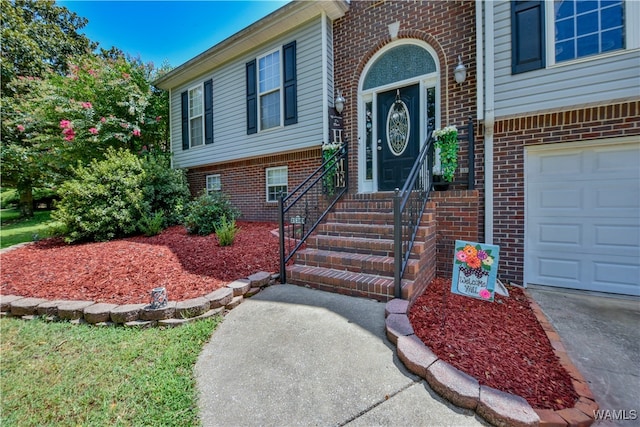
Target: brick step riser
356 263
362 231
378 247
347 283
360 218
369 218
382 195
363 207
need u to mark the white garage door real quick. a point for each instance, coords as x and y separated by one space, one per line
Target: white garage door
582 217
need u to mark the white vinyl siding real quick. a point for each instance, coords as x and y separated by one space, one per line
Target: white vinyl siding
229 107
600 78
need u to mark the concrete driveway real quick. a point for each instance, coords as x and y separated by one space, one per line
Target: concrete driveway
601 333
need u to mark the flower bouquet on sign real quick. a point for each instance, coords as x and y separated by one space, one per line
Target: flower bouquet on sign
474 269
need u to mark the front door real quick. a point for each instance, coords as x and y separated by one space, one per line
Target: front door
398 135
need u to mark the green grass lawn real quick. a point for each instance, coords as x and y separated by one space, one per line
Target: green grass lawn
57 374
14 230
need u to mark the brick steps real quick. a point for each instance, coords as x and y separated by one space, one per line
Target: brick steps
352 251
358 230
355 262
382 247
344 282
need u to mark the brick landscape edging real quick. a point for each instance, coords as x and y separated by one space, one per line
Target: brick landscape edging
137 315
495 406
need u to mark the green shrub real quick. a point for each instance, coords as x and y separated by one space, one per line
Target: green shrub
9 198
122 195
105 199
226 231
151 225
206 212
165 189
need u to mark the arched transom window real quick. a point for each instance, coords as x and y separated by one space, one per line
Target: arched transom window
399 63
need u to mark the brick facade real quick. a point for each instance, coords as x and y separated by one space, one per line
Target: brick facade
457 218
512 135
245 180
447 26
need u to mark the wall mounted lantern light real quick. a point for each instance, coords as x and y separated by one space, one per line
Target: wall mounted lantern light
460 72
339 102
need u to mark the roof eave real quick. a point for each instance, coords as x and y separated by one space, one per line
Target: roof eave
275 24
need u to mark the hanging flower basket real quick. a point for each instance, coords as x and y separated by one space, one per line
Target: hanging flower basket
329 180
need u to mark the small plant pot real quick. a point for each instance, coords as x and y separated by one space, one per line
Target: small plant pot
439 184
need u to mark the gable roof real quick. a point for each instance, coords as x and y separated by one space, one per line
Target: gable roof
276 23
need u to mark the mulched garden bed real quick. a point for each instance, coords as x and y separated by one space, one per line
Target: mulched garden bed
499 343
124 271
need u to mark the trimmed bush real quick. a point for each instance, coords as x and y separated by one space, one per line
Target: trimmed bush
207 211
165 189
120 196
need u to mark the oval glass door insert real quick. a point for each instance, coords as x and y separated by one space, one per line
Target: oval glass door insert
398 127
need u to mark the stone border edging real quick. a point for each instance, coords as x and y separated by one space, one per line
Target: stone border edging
138 315
495 406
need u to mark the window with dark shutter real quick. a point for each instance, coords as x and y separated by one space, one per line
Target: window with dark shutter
208 112
290 84
527 36
185 120
252 98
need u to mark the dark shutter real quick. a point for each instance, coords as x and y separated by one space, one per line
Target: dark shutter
208 112
185 120
527 36
252 98
290 84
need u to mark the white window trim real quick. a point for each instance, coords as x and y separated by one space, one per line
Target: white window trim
266 180
426 81
201 86
631 21
279 88
211 189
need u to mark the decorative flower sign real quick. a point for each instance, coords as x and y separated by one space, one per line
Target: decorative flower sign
475 268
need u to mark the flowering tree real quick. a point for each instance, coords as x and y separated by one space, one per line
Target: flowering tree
51 124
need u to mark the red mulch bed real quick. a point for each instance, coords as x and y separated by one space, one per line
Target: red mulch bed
501 344
124 271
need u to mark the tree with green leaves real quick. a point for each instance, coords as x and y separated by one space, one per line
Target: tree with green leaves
38 37
63 105
52 123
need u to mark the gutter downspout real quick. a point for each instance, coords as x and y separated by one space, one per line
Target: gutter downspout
325 80
489 121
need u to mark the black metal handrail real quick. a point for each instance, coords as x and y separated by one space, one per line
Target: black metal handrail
305 207
408 208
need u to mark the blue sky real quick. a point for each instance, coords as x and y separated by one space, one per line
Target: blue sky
162 30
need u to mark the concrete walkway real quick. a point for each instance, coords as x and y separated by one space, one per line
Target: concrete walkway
292 356
602 336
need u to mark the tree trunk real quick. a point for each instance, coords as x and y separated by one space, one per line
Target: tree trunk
26 201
